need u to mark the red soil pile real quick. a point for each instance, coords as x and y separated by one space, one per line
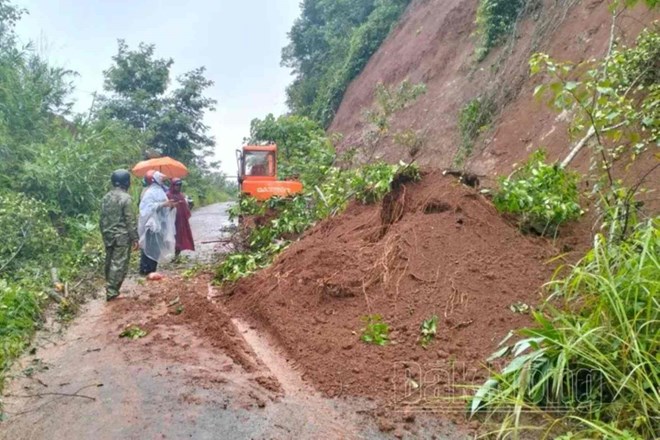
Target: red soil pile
431 248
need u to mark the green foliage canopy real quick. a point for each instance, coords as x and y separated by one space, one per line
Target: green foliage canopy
495 19
330 43
140 96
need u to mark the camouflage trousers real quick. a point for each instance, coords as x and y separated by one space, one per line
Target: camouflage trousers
117 259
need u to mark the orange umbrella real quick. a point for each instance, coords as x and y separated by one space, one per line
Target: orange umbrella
166 165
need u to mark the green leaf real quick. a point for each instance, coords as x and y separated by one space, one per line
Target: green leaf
481 394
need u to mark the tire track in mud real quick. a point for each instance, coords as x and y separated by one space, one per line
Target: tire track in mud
277 376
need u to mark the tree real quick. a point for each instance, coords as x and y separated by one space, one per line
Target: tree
139 84
330 43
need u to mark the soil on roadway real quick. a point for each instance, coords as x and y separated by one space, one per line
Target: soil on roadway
84 381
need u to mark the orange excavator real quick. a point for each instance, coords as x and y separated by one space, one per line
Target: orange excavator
257 173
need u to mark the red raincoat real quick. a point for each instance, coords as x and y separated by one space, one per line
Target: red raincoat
184 237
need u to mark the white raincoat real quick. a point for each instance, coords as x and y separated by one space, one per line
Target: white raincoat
156 224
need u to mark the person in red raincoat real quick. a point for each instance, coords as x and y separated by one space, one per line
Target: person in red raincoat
184 237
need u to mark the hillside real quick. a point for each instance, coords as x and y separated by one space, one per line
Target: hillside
434 43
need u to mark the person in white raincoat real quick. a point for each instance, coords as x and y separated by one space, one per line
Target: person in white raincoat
156 226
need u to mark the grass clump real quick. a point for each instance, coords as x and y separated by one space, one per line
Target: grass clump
596 357
473 119
428 330
542 195
19 312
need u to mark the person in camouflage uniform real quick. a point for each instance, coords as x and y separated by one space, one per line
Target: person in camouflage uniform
119 230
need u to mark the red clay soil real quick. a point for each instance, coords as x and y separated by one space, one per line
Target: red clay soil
447 252
434 43
176 302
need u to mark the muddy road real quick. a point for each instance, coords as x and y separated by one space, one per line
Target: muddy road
83 381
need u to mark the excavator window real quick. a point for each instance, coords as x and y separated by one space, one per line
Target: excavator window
260 163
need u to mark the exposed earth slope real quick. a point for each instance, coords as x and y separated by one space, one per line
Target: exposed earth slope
434 43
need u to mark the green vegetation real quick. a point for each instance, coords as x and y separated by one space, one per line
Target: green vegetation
542 196
473 119
170 119
290 217
330 43
306 153
388 101
428 330
19 312
614 102
597 356
55 167
371 182
589 366
376 331
133 332
495 20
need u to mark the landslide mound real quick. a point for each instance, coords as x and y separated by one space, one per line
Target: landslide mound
431 248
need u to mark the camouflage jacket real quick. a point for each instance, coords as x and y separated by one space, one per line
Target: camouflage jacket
118 225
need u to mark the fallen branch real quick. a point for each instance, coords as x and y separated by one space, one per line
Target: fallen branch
27 396
576 149
54 393
222 240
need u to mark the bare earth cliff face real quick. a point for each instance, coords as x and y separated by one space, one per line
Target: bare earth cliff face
434 43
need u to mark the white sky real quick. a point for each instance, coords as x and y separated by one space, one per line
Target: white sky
239 43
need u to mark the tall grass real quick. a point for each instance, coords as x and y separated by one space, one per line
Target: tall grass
592 363
19 310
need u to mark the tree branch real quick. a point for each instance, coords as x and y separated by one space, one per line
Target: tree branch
18 251
576 149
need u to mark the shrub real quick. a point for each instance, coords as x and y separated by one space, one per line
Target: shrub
597 356
495 19
387 101
239 265
70 173
371 182
473 119
246 206
542 196
28 235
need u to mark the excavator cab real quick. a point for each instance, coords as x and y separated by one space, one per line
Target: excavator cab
257 173
257 163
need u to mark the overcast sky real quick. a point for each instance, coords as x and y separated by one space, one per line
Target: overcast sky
239 42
